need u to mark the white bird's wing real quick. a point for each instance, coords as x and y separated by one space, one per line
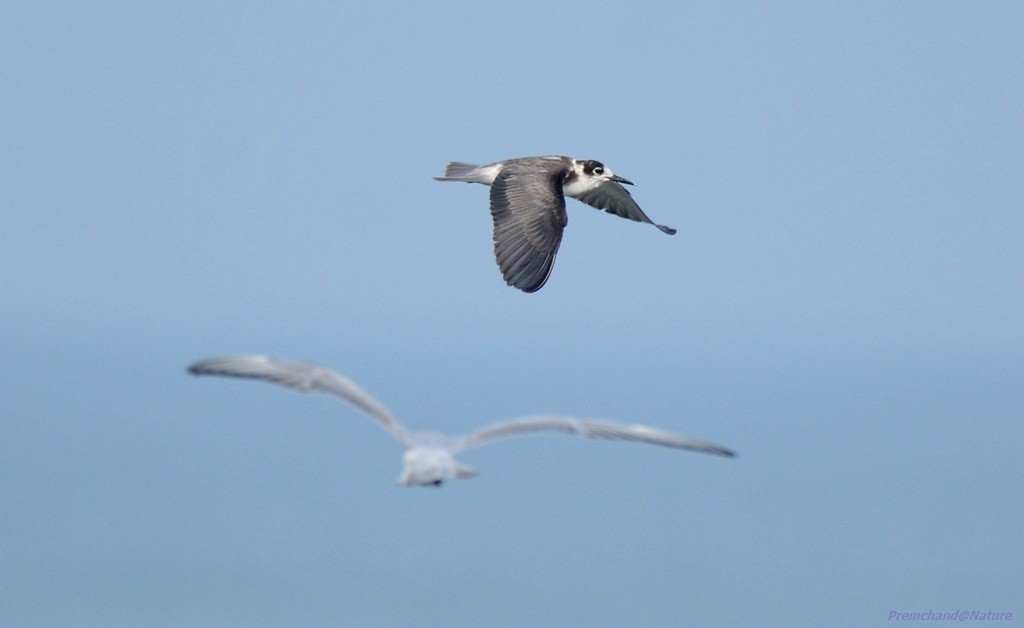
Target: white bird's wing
590 428
615 199
302 377
529 215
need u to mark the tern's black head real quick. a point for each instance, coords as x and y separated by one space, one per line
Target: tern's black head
593 167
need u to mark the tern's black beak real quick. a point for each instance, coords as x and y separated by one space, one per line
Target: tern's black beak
616 178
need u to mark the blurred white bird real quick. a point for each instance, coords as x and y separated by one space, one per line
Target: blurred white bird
430 456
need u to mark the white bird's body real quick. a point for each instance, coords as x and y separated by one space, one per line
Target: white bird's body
528 208
429 457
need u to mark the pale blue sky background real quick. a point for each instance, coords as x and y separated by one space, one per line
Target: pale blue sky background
843 305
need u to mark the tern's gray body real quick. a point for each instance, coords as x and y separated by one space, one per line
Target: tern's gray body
528 208
429 456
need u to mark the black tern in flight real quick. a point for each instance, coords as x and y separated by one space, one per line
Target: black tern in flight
528 208
429 456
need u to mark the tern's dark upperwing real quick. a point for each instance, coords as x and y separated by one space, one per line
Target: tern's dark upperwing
615 199
528 209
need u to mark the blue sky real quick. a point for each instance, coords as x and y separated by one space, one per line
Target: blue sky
842 305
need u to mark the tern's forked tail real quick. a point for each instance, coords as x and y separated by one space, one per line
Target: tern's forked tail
469 173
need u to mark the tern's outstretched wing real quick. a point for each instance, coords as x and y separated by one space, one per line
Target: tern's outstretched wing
590 428
302 377
615 199
529 215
